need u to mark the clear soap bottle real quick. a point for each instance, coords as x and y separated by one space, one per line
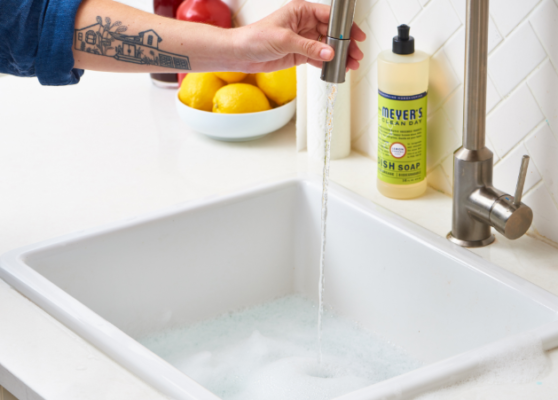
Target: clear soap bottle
402 99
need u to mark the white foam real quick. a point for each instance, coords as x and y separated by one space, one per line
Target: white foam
270 352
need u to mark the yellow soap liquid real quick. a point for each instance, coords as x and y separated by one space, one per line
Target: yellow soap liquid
403 75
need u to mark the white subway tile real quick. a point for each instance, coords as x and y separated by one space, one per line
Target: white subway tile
447 167
544 84
455 50
545 212
362 10
254 10
435 25
507 171
494 36
515 59
367 142
545 23
454 109
424 2
369 47
443 80
492 96
543 148
461 8
491 148
362 105
383 24
513 119
442 141
405 10
235 5
372 77
509 13
439 181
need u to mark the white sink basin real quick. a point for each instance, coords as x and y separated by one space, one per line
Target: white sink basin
442 304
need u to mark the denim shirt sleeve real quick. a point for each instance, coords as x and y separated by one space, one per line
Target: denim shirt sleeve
36 38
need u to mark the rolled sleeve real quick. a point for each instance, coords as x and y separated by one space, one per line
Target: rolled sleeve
36 39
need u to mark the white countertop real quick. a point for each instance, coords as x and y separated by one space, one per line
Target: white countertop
112 147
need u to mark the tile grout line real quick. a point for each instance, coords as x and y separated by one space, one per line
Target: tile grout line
516 88
525 138
446 42
525 18
535 187
555 67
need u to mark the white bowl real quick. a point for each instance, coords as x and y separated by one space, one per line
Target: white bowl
236 127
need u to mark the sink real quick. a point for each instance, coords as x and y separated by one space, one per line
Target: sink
442 304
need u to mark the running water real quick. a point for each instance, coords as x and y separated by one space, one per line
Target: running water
331 96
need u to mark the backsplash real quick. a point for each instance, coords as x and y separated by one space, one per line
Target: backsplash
522 86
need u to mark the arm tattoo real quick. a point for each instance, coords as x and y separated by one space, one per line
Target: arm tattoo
109 40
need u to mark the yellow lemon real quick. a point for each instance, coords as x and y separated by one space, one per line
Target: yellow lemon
279 86
197 90
231 77
240 98
250 79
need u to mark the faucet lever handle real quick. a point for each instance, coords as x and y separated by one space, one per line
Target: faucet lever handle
521 180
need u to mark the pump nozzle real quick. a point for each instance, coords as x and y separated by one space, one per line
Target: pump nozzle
339 37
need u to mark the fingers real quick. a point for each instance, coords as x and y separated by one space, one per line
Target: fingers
312 49
322 29
314 63
320 11
352 64
355 52
357 33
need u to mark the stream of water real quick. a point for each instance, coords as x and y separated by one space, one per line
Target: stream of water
331 96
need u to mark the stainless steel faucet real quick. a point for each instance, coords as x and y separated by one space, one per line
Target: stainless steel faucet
477 205
339 37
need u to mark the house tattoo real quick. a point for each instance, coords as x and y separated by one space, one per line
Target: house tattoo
109 40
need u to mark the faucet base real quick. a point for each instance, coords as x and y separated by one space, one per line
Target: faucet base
471 243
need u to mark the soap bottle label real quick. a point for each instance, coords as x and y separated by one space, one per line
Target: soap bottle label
402 138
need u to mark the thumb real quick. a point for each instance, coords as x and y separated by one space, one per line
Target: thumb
309 48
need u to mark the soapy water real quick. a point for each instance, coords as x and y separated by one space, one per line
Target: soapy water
331 96
268 352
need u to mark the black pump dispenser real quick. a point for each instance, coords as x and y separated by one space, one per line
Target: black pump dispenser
403 43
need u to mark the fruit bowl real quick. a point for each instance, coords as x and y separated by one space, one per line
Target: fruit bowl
236 127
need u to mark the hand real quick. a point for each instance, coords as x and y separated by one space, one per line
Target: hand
288 37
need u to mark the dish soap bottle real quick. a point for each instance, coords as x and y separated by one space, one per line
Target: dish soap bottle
402 98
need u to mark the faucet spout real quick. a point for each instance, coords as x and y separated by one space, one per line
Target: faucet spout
477 205
476 66
339 37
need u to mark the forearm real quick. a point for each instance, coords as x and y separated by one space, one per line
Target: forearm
144 42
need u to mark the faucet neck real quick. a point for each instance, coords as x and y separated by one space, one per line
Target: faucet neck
476 71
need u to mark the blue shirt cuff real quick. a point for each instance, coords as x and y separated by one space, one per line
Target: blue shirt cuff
54 64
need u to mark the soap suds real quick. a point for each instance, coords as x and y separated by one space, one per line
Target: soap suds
270 352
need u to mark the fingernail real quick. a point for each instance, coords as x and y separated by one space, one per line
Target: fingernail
325 54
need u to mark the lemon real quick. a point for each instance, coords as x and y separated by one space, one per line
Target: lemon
231 77
240 98
279 86
250 79
197 90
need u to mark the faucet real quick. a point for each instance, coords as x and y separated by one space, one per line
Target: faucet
339 37
477 205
